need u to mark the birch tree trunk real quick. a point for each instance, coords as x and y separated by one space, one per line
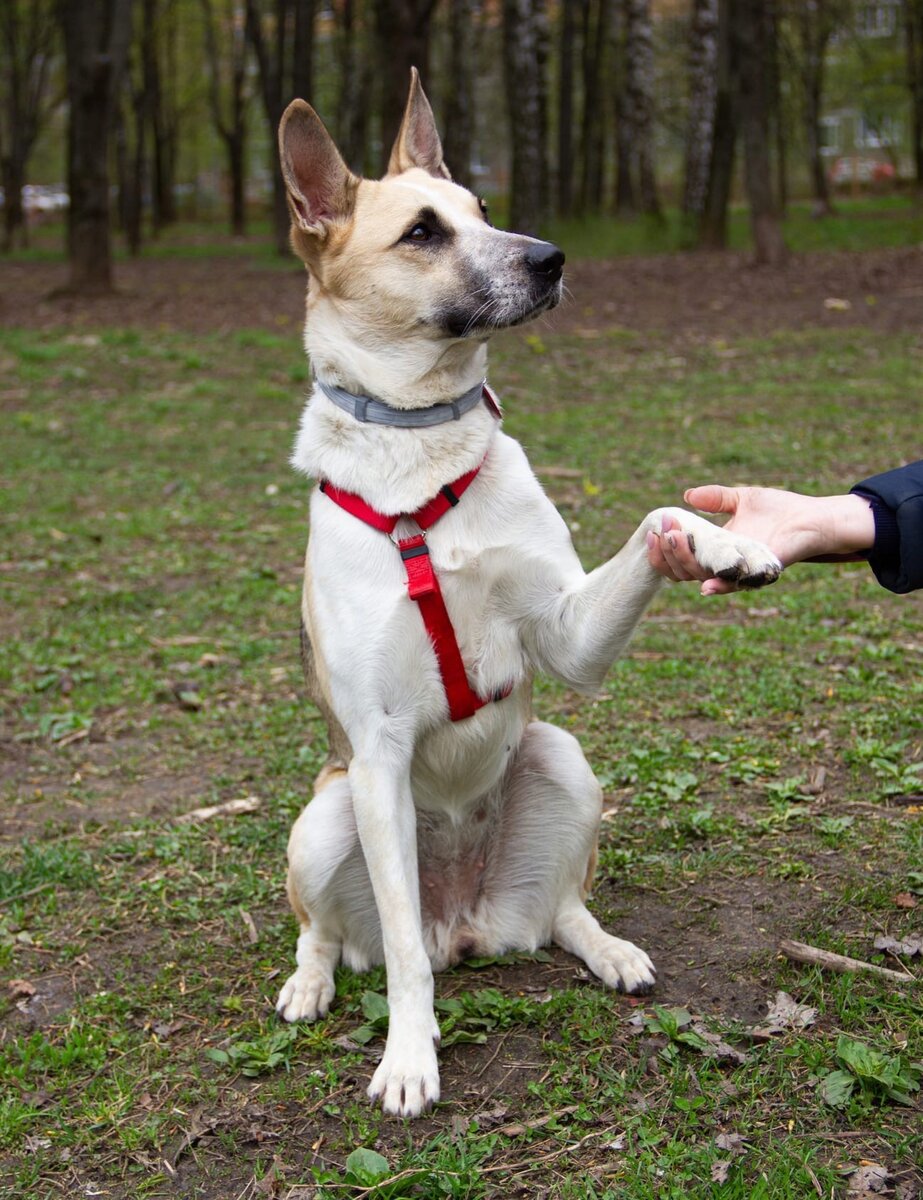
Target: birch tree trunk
525 54
703 97
96 37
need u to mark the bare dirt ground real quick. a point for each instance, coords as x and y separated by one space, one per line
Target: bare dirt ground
688 296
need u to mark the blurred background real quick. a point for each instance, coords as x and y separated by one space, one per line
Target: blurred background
634 124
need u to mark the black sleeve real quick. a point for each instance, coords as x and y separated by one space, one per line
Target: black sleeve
897 504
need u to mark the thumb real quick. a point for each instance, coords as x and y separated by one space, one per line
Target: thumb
713 498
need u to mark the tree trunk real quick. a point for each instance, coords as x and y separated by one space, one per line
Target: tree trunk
402 32
96 38
596 22
625 200
566 164
355 94
913 24
703 94
814 32
524 42
639 57
232 128
753 94
713 228
458 142
27 33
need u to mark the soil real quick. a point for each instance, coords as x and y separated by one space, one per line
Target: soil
696 296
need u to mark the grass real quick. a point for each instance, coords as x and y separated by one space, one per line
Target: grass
860 223
761 757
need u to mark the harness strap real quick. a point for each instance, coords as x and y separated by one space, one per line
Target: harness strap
423 586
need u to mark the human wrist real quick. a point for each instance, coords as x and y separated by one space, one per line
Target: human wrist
853 524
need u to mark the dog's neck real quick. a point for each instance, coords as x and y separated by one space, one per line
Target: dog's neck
403 371
393 469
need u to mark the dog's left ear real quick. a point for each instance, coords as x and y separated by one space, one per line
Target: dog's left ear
418 143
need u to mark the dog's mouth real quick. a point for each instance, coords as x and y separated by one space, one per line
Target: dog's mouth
498 311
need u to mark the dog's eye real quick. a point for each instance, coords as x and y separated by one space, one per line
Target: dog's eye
419 233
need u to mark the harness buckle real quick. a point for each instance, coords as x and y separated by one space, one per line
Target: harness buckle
421 579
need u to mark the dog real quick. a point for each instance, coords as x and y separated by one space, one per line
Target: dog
447 821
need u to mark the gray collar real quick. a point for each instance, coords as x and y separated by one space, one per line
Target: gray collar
376 412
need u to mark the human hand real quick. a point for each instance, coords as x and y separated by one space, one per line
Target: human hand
795 527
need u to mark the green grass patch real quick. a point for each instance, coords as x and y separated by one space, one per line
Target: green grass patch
760 756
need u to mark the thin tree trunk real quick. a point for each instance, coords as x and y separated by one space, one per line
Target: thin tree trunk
625 199
814 33
751 40
231 129
458 142
96 37
566 164
640 96
596 23
402 32
703 93
913 24
355 73
524 42
713 227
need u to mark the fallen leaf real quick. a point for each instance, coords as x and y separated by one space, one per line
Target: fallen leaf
717 1048
21 988
719 1171
524 1126
869 1180
905 900
784 1013
910 947
835 304
734 1143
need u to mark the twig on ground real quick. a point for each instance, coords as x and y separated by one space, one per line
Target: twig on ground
800 952
230 808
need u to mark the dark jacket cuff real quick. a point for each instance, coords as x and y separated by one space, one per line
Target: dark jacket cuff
896 498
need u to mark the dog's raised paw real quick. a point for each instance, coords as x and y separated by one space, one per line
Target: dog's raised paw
306 996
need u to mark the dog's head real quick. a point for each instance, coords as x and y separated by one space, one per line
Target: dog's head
412 254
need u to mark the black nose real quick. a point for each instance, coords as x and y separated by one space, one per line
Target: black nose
545 260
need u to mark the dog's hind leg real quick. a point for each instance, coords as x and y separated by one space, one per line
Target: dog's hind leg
538 874
326 872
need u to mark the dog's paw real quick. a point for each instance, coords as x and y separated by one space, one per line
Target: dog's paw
729 556
306 996
623 966
407 1080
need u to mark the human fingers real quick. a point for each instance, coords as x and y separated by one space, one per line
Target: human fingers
657 559
679 551
713 498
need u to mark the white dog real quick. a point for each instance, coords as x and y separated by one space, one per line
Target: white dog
448 822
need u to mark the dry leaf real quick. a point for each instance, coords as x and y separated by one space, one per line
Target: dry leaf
784 1013
21 988
869 1180
910 947
719 1170
905 900
734 1143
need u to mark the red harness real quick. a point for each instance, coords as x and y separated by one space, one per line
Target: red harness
423 586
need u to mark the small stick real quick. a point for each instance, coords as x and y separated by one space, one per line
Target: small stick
799 952
230 808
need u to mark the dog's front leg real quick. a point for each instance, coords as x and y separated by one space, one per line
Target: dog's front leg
407 1079
579 627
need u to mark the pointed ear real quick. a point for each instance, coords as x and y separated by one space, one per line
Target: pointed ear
418 143
321 188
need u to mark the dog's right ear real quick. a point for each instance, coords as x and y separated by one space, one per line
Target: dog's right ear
321 188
